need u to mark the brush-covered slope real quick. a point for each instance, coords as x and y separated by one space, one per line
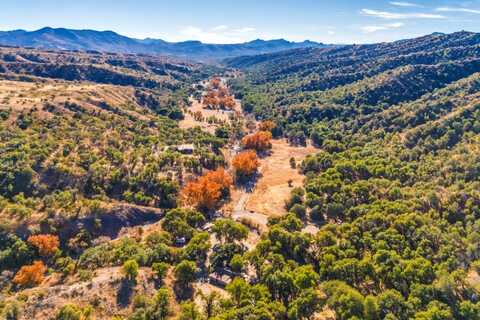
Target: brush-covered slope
394 185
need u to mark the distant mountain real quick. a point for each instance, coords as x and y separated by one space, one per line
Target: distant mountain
109 41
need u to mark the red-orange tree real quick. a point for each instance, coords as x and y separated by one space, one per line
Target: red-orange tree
245 164
206 192
46 244
259 141
30 275
267 125
215 83
210 99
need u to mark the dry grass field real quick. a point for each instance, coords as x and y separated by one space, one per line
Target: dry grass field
25 96
272 188
190 122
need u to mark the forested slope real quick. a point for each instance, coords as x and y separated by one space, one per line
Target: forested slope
395 184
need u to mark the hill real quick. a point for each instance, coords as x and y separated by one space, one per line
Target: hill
108 41
394 185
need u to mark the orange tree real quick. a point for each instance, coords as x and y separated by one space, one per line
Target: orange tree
259 141
30 275
267 125
206 192
215 83
245 164
210 99
46 244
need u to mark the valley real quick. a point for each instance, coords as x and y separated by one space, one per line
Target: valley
314 183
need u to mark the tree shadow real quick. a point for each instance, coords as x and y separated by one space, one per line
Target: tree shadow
248 184
125 293
182 292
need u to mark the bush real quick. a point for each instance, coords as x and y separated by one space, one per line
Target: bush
160 269
299 210
185 273
130 269
46 244
30 275
72 312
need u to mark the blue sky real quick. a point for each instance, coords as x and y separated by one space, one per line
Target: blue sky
230 21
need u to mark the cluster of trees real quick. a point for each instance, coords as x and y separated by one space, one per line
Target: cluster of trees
207 191
394 187
218 96
258 141
23 255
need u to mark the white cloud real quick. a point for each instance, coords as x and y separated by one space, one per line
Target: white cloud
331 32
218 34
405 4
400 16
465 10
390 26
220 28
244 30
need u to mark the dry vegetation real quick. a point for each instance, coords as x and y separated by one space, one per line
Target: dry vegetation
277 177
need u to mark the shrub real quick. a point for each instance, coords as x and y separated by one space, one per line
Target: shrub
30 275
160 269
46 244
130 269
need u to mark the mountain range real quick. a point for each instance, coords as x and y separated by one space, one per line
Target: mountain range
109 41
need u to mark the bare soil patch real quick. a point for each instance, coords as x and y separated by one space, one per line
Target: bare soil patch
24 96
272 188
107 289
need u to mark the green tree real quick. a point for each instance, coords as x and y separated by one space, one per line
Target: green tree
190 312
371 308
305 305
228 230
347 302
69 312
185 273
130 269
160 269
435 311
160 308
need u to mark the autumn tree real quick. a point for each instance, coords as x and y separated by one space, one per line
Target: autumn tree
222 178
30 275
245 164
210 99
259 141
198 116
46 244
267 125
218 96
206 192
215 83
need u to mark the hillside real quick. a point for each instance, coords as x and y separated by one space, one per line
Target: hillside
108 41
394 184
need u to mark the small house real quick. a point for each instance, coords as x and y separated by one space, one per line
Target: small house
186 148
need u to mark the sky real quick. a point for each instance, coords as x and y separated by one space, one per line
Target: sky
233 21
